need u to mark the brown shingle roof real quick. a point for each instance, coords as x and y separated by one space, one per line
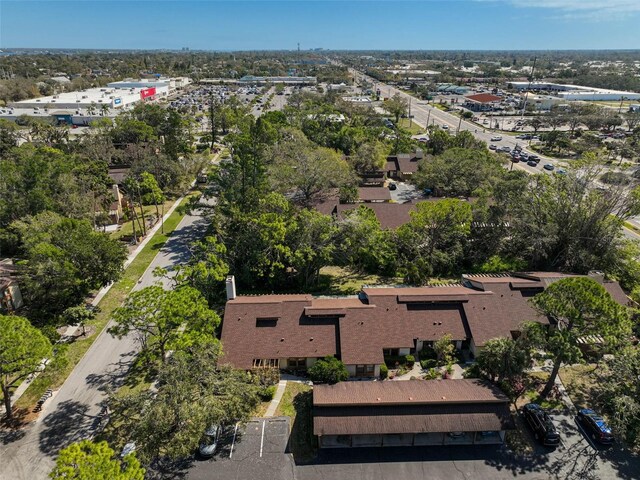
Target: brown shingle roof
407 393
352 408
369 194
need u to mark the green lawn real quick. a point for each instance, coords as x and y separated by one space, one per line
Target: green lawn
296 403
341 281
149 210
411 127
55 377
580 383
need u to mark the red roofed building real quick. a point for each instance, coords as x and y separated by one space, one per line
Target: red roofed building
482 102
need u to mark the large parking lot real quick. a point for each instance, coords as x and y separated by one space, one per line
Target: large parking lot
254 452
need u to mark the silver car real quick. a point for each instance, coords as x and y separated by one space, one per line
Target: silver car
209 441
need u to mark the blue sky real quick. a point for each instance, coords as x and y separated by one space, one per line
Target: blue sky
334 24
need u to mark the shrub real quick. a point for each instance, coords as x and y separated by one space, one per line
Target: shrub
392 360
428 363
384 371
328 370
266 394
432 374
409 360
472 372
427 353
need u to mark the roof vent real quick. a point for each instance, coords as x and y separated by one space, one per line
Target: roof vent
378 399
282 339
311 339
410 398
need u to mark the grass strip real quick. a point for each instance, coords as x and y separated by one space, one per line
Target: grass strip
54 376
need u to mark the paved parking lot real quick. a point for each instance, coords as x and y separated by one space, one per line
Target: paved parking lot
256 451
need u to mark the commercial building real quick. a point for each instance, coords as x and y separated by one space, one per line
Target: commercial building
482 102
253 80
413 413
80 107
293 331
575 92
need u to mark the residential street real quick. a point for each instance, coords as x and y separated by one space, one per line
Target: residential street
73 413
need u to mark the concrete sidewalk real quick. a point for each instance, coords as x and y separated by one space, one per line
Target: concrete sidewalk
273 406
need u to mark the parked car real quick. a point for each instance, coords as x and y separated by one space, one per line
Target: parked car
548 166
445 127
534 157
506 149
515 160
496 138
541 425
209 441
532 163
595 426
492 147
561 171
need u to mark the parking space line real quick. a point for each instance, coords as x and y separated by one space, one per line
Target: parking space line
233 442
262 438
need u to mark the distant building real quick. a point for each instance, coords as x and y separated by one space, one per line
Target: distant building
575 92
253 80
482 102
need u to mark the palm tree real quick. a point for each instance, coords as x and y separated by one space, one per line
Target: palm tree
104 108
91 109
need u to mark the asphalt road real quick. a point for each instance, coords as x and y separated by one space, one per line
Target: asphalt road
73 413
425 114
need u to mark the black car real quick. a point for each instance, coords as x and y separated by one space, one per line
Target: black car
532 163
595 426
540 423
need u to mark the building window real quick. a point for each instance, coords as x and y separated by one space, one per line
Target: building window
297 363
365 370
390 352
266 322
266 363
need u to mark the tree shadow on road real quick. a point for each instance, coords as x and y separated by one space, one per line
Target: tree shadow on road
114 377
14 429
68 423
165 469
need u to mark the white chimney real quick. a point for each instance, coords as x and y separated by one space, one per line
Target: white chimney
231 287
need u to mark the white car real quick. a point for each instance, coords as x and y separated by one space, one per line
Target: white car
496 138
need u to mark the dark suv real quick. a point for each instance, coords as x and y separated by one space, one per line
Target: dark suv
543 429
595 426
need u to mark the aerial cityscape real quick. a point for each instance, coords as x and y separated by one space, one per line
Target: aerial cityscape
320 240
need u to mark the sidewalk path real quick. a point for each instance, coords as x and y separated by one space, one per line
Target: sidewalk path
273 406
74 412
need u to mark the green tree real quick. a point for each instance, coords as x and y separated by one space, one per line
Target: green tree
369 157
79 315
444 348
619 392
432 242
362 244
22 351
308 172
194 391
396 106
578 306
63 260
160 318
87 460
503 359
459 172
151 192
328 370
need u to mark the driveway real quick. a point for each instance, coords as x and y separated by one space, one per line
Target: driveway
405 192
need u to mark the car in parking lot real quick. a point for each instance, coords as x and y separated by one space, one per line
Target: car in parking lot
561 171
532 163
492 147
548 166
445 127
209 441
505 149
496 138
544 431
515 159
534 157
595 426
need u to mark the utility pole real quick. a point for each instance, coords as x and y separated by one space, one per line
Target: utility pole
211 119
526 95
459 123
